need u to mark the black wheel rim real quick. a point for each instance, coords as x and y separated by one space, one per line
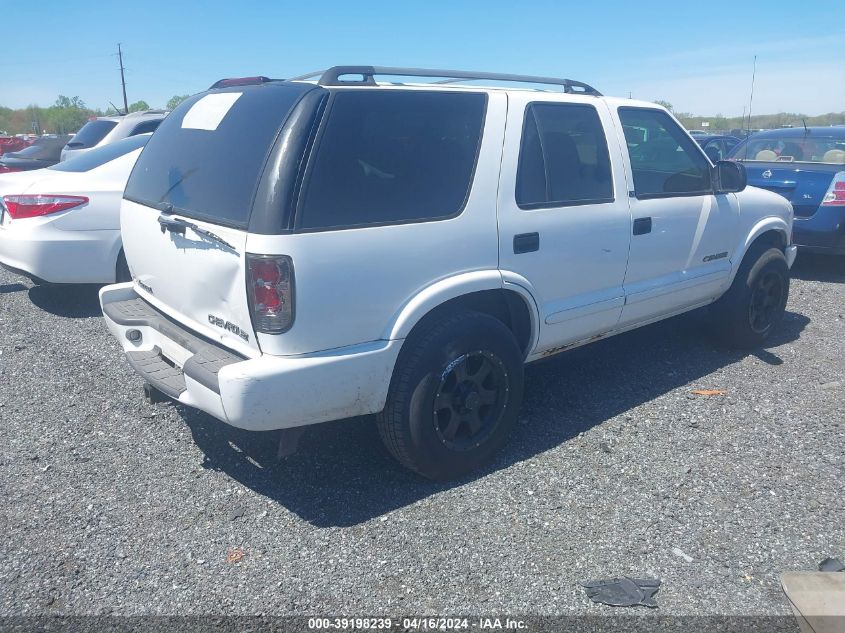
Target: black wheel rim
766 302
470 400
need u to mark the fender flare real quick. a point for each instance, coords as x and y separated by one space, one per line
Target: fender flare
771 223
456 286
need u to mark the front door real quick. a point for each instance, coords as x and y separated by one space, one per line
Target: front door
682 234
564 223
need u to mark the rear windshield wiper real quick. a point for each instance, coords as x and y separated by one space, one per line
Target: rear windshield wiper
178 225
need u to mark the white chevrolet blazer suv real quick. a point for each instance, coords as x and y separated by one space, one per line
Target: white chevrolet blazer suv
309 250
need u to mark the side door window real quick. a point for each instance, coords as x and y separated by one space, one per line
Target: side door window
665 161
563 158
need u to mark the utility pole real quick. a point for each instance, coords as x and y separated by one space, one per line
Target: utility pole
123 81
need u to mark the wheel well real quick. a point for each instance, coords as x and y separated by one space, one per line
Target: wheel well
505 305
772 237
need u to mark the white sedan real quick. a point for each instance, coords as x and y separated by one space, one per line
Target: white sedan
62 224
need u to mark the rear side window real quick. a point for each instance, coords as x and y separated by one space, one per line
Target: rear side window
146 127
665 161
91 133
392 156
563 158
207 156
101 155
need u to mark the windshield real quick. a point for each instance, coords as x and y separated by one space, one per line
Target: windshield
91 133
793 149
102 155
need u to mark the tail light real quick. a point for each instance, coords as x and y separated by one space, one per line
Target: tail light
835 196
270 289
20 207
6 170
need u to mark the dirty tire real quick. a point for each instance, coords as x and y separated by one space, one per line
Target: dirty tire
432 423
122 268
753 307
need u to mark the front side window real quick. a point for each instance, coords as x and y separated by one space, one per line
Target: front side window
389 156
665 161
563 158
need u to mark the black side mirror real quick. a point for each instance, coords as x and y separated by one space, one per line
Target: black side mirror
729 177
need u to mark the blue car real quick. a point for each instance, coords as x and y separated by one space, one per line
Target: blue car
807 167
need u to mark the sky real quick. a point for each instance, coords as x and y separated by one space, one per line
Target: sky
696 55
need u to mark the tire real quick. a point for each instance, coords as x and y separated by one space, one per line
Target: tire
122 269
753 307
432 423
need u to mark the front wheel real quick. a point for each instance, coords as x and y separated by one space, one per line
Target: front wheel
454 397
753 307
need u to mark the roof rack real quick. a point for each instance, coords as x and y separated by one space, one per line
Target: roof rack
332 77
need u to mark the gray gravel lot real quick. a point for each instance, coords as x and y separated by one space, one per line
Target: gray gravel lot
111 505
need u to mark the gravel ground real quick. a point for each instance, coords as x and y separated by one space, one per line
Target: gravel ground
112 505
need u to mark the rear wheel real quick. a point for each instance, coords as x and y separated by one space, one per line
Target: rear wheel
753 307
454 397
122 269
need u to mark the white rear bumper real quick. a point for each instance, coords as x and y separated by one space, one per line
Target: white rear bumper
261 393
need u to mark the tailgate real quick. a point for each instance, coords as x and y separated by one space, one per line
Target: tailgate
191 277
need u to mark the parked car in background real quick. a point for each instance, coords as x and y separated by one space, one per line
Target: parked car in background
62 224
716 146
43 152
409 247
807 167
108 129
13 143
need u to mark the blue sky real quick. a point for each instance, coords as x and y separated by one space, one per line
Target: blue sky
697 55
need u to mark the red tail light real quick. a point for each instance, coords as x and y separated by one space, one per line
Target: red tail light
270 289
835 196
6 170
20 207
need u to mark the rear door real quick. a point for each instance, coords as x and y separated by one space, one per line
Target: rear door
564 220
187 206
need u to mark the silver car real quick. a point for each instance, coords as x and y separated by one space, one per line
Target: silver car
108 129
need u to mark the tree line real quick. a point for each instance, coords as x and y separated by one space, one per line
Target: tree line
757 121
68 114
65 116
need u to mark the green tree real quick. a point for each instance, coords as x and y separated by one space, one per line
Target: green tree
65 116
138 106
175 100
665 104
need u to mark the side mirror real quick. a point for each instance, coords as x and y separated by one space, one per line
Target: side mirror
729 177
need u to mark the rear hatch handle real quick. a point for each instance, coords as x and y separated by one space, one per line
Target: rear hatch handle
178 225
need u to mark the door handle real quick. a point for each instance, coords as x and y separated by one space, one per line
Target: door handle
642 226
526 243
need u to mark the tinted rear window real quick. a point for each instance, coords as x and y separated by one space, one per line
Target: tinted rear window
206 157
387 156
91 133
101 155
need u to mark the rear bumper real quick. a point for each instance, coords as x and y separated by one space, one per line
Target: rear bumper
258 394
42 251
823 232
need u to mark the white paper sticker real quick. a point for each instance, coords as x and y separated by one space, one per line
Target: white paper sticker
208 112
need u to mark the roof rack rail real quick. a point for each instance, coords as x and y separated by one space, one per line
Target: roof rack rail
332 77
